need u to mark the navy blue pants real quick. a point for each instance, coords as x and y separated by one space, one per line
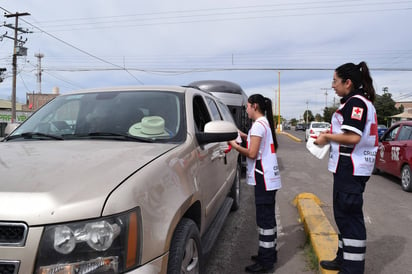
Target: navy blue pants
347 209
265 202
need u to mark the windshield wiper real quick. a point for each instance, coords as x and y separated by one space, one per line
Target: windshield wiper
34 135
114 136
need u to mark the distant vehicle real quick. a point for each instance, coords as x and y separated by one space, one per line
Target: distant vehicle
300 126
286 126
394 155
381 130
315 128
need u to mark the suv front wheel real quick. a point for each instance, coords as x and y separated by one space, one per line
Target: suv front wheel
185 249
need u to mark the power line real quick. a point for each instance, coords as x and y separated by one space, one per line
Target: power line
77 48
226 14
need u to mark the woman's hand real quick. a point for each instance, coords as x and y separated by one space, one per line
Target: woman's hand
232 143
321 139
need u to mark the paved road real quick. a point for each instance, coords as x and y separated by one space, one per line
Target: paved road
388 216
238 240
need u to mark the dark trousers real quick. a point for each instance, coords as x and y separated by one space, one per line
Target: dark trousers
266 221
347 209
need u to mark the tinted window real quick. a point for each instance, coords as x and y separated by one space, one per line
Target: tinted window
213 108
200 113
225 112
405 133
390 136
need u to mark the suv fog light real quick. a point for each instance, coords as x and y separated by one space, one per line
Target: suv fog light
64 240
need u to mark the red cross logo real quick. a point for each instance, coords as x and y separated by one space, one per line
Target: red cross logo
357 113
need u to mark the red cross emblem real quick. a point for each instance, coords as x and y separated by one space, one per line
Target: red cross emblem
357 113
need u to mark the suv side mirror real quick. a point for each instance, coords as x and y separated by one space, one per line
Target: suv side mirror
217 131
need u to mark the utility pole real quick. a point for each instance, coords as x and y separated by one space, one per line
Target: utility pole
15 53
279 101
38 74
326 96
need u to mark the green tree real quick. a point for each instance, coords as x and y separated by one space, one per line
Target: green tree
385 107
318 117
310 117
328 112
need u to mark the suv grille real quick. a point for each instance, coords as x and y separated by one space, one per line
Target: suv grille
7 267
12 234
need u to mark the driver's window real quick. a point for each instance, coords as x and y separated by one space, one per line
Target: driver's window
405 133
200 113
391 135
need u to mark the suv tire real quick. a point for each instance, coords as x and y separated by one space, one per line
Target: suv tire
185 249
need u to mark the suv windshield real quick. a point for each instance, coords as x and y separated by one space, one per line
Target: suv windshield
120 115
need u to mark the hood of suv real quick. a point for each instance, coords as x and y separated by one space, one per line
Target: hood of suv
57 181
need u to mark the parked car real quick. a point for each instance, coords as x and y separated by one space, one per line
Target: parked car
300 126
117 180
315 128
381 130
394 155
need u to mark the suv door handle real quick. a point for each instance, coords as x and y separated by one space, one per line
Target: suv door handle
217 154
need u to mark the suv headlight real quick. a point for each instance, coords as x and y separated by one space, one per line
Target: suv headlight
104 245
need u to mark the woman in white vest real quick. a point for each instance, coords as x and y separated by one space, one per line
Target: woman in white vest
354 142
263 174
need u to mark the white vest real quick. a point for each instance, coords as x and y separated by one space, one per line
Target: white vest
267 155
364 152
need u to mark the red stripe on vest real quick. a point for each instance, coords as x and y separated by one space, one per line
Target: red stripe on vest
272 148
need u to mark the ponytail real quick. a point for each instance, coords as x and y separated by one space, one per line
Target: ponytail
367 81
265 107
360 77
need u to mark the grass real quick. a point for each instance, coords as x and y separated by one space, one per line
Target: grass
311 258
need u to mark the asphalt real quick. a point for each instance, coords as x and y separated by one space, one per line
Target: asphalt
322 235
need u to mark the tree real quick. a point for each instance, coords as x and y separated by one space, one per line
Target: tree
328 112
310 117
385 107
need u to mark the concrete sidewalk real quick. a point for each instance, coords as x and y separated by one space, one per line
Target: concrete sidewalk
322 236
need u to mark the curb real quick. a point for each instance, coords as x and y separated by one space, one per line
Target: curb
322 236
296 139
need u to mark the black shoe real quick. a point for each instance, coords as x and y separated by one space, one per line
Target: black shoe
258 268
335 264
255 258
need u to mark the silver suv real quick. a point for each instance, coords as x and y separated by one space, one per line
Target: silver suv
119 180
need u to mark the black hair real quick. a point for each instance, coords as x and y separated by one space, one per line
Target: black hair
360 77
265 107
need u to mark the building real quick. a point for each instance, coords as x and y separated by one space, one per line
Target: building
33 102
5 114
406 114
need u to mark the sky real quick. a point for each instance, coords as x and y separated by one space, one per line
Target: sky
269 47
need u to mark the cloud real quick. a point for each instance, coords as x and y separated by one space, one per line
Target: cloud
87 43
